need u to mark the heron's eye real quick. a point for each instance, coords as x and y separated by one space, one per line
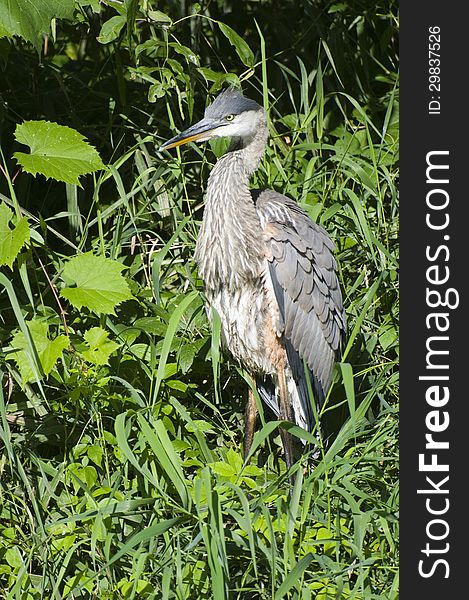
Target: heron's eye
229 117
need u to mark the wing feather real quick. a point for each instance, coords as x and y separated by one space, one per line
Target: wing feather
302 269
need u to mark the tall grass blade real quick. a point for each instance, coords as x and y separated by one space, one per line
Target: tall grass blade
157 437
173 326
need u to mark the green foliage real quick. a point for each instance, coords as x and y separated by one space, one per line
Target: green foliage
11 239
120 418
31 19
56 151
48 351
95 282
100 347
242 49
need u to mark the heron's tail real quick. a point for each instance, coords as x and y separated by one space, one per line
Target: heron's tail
308 405
305 406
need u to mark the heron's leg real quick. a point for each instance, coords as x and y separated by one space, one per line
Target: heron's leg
250 416
285 413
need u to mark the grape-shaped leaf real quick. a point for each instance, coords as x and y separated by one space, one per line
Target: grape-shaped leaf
100 347
223 469
11 240
97 283
57 151
48 351
31 18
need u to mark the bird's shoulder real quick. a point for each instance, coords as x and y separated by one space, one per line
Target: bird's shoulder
285 213
283 220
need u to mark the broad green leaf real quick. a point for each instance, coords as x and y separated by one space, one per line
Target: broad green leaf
11 240
56 151
174 384
111 29
186 52
97 283
151 325
199 425
93 4
186 356
30 19
223 469
13 557
95 453
86 476
100 347
242 49
234 459
48 351
159 17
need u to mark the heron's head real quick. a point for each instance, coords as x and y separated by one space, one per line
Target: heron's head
229 115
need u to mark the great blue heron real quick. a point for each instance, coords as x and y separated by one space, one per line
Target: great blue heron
268 271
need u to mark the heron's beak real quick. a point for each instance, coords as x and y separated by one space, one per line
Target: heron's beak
200 132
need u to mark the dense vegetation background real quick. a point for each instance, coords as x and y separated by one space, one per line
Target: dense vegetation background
120 421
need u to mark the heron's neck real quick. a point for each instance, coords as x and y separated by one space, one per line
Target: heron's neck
231 174
252 149
230 244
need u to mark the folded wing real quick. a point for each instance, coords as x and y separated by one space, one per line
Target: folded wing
303 273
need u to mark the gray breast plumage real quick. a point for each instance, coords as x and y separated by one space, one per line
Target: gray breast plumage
231 257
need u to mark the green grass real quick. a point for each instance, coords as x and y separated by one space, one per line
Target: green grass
126 479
